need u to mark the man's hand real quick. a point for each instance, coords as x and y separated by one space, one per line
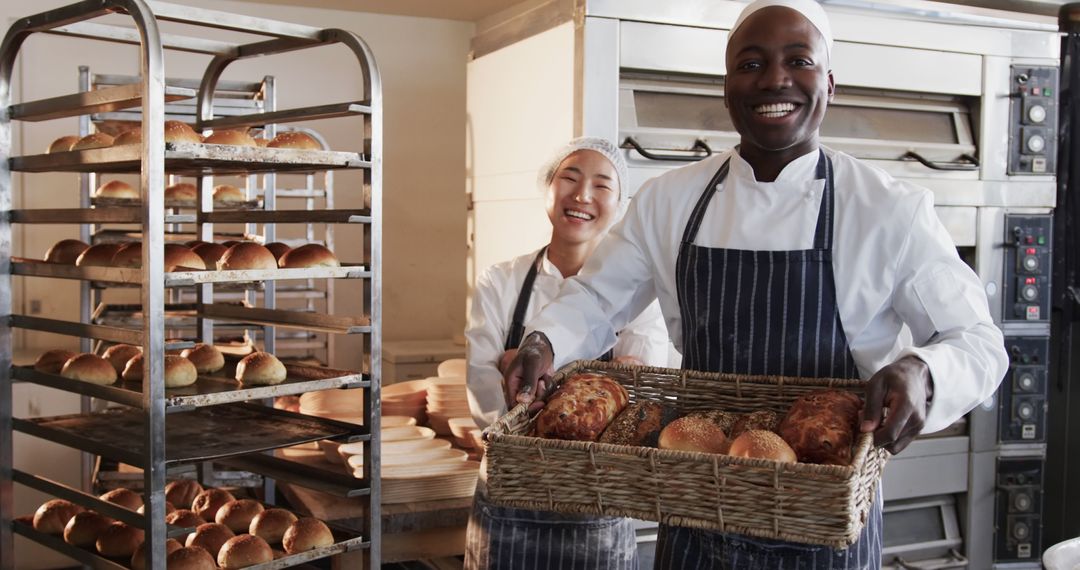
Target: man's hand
904 387
505 360
526 379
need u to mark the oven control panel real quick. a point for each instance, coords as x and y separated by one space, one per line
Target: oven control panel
1027 268
1022 395
1033 120
1018 532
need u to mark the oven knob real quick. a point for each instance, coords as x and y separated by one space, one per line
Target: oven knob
1026 382
1036 143
1029 292
1025 410
1030 263
1021 531
1037 114
1022 502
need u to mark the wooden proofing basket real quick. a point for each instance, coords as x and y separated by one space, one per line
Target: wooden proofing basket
798 502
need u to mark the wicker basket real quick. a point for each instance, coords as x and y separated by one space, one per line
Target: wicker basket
798 502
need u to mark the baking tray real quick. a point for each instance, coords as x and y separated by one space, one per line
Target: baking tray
201 435
120 214
132 276
176 204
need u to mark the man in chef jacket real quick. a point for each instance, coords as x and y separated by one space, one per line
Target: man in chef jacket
785 257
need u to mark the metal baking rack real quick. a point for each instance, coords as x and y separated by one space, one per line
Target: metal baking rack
162 430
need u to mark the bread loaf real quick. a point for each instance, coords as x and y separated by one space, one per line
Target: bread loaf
724 420
207 503
182 492
179 132
639 424
206 358
247 255
118 355
243 551
210 253
124 497
62 144
84 529
307 534
581 408
182 258
98 255
184 518
237 515
310 255
117 189
95 140
228 194
181 192
296 140
271 524
762 444
65 251
278 249
52 361
211 536
690 433
130 136
230 137
119 540
260 368
133 370
179 372
89 368
53 516
191 558
759 420
821 426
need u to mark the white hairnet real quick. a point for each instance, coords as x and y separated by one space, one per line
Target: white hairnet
810 10
597 144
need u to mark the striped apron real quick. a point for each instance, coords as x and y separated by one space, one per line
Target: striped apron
521 539
763 312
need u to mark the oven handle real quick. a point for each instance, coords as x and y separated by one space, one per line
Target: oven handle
958 561
698 144
974 162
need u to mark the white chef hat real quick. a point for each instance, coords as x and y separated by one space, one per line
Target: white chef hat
597 144
810 10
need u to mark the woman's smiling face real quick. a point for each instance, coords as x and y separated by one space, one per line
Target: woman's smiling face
583 197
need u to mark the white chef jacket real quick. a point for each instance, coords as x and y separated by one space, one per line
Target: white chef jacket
492 311
901 287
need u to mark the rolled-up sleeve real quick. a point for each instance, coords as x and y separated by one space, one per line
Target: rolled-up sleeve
484 347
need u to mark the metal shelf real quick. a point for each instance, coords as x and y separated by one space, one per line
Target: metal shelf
291 216
331 111
56 543
337 484
83 330
204 434
191 159
317 322
130 276
101 215
96 101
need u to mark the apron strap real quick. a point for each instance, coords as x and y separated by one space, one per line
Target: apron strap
517 325
698 214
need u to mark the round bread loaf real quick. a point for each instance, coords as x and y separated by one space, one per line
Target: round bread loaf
117 189
759 420
129 255
762 444
694 434
237 515
211 536
179 132
278 249
639 424
726 420
191 558
262 143
821 426
247 255
181 258
581 408
119 540
99 255
65 251
138 559
306 534
169 508
119 354
228 194
124 497
89 368
184 518
310 255
260 368
271 524
62 144
95 140
133 370
130 136
231 137
243 551
53 516
193 243
84 528
181 192
210 253
295 139
52 361
179 372
182 492
207 503
206 358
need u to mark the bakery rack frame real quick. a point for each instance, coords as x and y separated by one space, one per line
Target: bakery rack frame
203 416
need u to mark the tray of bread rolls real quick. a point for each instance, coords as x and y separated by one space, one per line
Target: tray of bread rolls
766 456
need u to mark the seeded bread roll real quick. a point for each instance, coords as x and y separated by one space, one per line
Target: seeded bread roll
310 255
119 540
210 253
117 189
52 361
278 249
295 139
581 408
247 255
179 372
62 144
243 551
99 255
89 368
694 434
206 358
130 136
191 558
211 536
53 516
759 420
65 251
138 559
821 426
726 420
124 497
95 140
228 194
178 132
271 524
84 529
639 424
119 354
260 368
762 444
182 258
182 492
184 518
181 192
230 137
207 503
237 515
307 534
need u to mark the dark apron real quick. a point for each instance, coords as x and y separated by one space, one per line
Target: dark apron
763 312
505 538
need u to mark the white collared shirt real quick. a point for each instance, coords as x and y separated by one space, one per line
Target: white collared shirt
893 261
492 311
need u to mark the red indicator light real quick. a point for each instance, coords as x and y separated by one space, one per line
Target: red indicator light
1031 251
1029 281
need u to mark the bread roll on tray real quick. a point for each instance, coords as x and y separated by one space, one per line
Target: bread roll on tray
237 515
53 516
210 253
191 558
247 255
179 132
182 492
52 361
278 249
138 558
271 524
98 255
182 258
228 194
119 540
84 528
295 140
581 408
307 534
62 144
124 497
230 137
211 536
206 358
181 192
260 368
130 136
117 189
243 551
207 503
310 255
95 140
65 251
691 433
89 368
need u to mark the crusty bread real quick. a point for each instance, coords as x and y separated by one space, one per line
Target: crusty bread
184 518
639 424
130 136
260 368
95 140
694 434
271 524
581 408
179 132
52 361
124 497
211 536
181 192
98 255
89 368
129 255
237 515
307 534
62 144
762 444
759 420
821 426
206 358
243 551
231 137
179 372
53 516
119 354
182 258
138 559
278 249
84 528
296 140
182 492
247 255
210 253
119 540
310 255
117 189
65 251
207 503
228 194
191 558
